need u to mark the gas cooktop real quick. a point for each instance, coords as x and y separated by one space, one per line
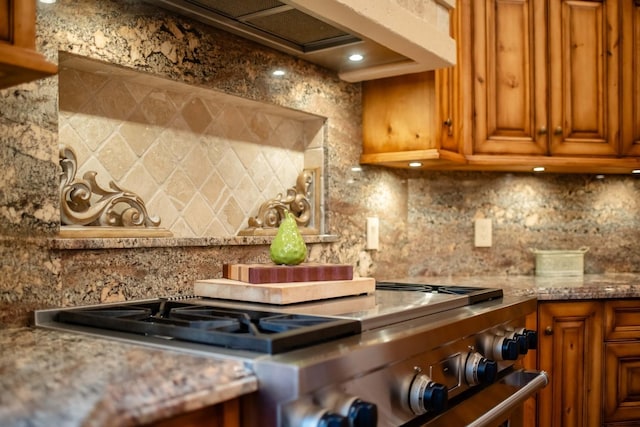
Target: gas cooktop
260 331
264 328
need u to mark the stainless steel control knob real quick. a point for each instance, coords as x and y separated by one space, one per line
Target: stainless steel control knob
305 413
330 419
521 342
427 396
479 369
499 347
531 337
358 412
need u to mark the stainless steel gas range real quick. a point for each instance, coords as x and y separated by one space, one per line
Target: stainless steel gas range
408 354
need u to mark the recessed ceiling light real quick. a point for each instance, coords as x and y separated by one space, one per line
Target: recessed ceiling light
635 171
356 57
599 176
538 169
356 169
278 73
415 164
48 1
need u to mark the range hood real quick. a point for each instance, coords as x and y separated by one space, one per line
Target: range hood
394 39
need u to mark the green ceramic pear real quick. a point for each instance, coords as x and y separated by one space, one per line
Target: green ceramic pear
288 247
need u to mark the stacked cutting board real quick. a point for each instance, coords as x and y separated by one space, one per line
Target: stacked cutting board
284 284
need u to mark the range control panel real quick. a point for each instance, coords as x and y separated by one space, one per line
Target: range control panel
421 384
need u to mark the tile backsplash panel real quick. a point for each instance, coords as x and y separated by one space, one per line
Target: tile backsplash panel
202 161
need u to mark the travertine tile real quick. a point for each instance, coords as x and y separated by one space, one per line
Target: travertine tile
246 194
198 214
76 94
178 148
246 152
157 108
177 138
231 169
159 162
115 100
181 228
213 188
92 127
197 165
116 156
196 115
260 172
161 205
139 135
229 217
179 188
140 181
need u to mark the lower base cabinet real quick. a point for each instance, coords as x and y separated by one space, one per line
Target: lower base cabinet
570 337
591 351
622 363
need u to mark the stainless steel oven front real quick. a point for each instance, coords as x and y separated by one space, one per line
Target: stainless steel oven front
460 367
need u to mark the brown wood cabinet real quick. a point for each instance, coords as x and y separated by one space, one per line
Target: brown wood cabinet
570 337
546 77
537 83
630 132
19 61
591 351
622 362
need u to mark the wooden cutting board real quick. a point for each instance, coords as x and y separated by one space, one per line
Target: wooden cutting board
283 293
272 273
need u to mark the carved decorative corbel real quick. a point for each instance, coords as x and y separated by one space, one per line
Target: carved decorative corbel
298 200
84 203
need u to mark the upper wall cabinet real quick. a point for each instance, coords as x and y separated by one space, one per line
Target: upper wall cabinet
19 61
537 84
630 92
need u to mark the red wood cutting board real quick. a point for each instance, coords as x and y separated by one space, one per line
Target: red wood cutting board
272 273
283 293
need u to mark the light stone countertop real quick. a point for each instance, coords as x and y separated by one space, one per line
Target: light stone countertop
51 378
64 379
545 288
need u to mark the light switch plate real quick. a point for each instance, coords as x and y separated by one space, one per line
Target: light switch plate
373 233
483 233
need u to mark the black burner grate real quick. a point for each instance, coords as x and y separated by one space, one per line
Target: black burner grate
474 294
260 331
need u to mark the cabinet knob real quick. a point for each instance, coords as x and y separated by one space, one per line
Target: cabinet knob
447 122
548 330
558 130
542 130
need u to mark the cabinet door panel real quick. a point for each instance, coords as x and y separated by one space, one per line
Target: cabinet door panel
386 125
510 94
452 113
570 350
622 319
5 21
584 57
622 382
631 78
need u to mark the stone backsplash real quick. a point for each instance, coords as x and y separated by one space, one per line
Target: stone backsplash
426 218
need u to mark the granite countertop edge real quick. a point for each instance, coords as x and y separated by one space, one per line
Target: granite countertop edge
552 288
50 377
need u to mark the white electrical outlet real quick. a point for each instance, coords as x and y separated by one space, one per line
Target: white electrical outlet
483 233
373 233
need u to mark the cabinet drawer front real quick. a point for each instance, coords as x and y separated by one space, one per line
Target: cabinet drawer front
622 320
622 382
